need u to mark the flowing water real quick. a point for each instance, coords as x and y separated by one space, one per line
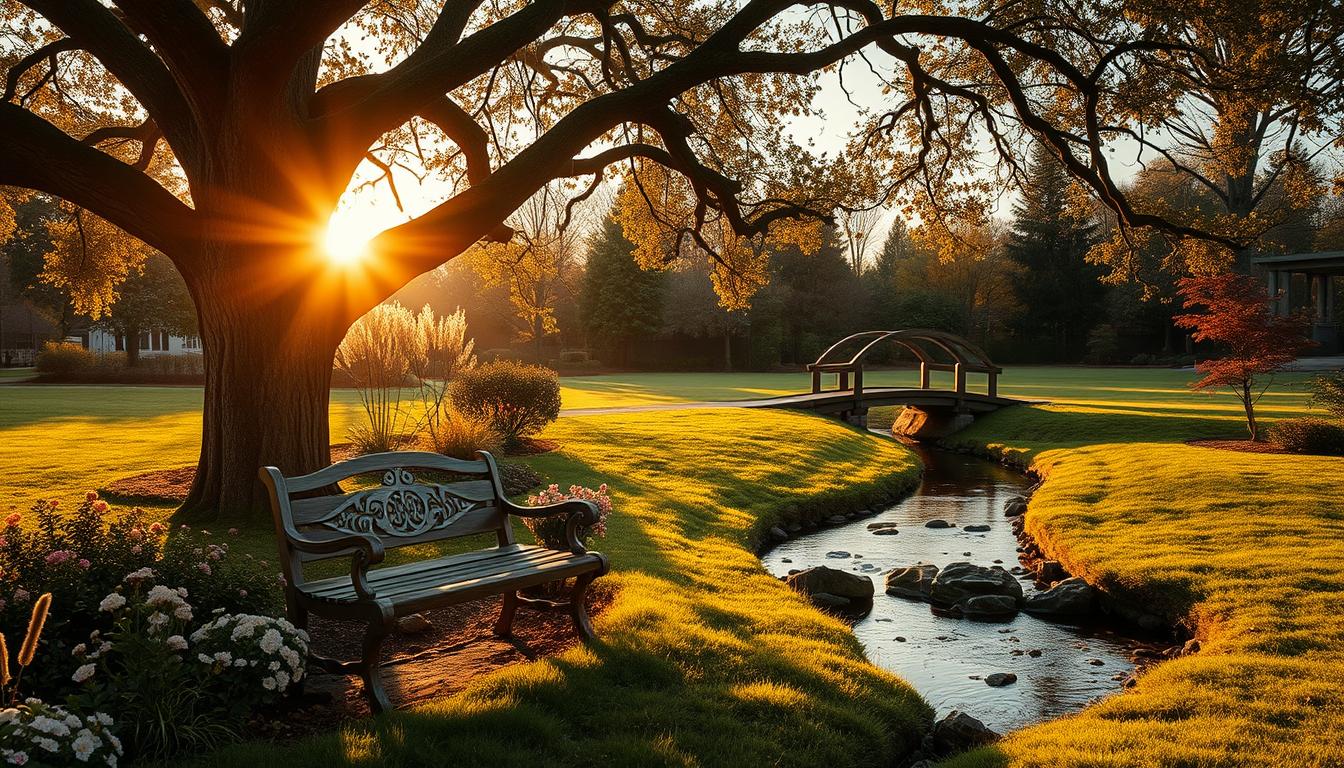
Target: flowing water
944 658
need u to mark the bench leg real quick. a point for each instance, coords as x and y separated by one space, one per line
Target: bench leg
579 609
504 627
368 667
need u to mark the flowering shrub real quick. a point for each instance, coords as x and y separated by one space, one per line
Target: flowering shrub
550 531
256 658
38 734
81 555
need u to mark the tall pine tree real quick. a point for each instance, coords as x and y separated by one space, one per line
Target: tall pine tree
621 302
1060 294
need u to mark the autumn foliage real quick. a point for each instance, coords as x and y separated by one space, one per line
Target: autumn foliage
1256 342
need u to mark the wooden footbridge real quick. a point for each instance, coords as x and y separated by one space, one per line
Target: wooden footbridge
931 412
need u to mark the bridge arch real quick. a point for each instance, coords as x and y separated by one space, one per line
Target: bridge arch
935 350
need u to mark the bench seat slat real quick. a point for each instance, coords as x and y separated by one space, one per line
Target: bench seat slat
458 576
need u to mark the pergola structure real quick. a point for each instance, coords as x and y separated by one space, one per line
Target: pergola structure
1311 280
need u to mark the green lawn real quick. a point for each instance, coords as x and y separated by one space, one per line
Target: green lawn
704 659
1248 549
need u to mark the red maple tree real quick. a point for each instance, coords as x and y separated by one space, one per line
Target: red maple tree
1257 342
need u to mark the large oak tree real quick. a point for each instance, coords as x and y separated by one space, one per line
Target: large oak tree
224 133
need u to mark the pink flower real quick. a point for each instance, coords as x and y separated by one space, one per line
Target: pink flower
83 563
13 520
21 595
135 534
91 496
54 503
157 528
100 507
135 550
233 531
59 556
203 567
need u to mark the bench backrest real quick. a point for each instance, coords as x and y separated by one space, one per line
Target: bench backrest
403 509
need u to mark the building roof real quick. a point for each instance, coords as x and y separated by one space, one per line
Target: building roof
1330 262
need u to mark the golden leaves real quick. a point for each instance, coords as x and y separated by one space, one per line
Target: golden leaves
89 259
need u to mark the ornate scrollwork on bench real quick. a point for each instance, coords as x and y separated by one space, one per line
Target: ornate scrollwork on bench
399 507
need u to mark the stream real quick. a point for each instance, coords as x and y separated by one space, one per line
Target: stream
945 659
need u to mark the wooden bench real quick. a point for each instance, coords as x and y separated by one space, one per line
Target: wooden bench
314 521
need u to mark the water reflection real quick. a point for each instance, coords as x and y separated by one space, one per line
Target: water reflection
1059 668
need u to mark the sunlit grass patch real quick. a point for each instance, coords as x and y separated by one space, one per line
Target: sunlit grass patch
704 659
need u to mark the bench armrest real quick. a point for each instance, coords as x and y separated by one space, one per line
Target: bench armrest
580 513
364 550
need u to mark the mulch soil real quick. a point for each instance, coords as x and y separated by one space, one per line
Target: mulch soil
459 647
1245 446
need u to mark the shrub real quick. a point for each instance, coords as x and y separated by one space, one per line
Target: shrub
550 531
63 359
254 658
1309 435
1327 391
517 399
461 436
1103 344
35 733
83 554
574 356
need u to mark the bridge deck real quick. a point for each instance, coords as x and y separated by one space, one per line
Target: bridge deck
833 401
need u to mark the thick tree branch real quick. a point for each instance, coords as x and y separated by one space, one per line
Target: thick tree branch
463 131
97 30
37 155
196 55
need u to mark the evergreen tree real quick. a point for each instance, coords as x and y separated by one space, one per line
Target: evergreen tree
1059 293
881 281
621 302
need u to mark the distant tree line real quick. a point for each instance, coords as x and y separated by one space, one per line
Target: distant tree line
1049 283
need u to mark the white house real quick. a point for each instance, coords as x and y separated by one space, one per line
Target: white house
151 343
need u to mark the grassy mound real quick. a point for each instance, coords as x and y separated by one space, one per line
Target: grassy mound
1246 548
704 658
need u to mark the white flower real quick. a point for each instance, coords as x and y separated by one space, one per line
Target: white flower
176 643
48 744
72 721
8 714
240 662
18 758
157 619
183 612
83 673
224 657
84 745
79 650
281 680
201 657
270 641
274 665
268 683
104 719
112 602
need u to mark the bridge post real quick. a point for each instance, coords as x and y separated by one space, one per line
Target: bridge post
858 391
993 384
816 381
960 373
923 375
844 381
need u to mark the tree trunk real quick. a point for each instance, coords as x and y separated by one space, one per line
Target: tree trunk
132 335
267 390
1248 403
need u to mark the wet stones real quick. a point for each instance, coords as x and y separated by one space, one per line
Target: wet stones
939 524
976 528
959 581
1000 679
1069 599
987 608
779 534
885 532
880 526
830 581
913 582
958 732
1051 571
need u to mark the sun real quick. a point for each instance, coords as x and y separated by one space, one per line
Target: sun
346 239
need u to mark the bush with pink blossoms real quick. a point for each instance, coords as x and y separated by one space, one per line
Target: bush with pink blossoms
81 554
550 531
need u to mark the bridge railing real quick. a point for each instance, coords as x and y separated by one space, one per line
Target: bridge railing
966 358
